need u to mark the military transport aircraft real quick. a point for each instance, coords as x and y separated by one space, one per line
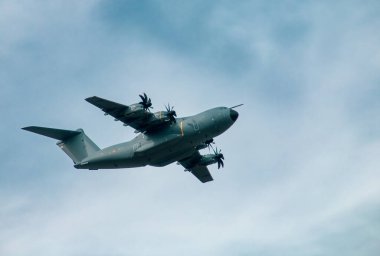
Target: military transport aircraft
162 139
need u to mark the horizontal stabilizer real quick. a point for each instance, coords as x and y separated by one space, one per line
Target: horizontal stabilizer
75 144
51 132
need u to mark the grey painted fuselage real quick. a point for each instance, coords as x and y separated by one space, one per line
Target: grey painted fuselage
173 143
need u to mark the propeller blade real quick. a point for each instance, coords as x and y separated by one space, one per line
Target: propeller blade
145 102
171 113
219 157
208 143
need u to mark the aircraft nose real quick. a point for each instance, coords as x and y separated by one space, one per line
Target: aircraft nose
233 114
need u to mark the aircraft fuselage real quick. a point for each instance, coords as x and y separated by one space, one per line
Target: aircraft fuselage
165 146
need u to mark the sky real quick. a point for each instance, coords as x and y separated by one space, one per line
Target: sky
301 176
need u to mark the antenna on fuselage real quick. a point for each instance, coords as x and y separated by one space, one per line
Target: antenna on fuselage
237 106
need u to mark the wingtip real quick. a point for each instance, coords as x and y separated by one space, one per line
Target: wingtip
89 98
28 128
208 180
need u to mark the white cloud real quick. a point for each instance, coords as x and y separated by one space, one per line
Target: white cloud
298 166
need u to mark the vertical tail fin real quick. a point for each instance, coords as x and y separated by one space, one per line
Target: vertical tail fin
75 144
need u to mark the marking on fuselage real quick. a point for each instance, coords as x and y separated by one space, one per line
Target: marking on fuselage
181 126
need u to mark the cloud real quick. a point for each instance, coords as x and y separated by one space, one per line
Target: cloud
301 162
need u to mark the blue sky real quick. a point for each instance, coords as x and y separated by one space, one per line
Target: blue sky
302 172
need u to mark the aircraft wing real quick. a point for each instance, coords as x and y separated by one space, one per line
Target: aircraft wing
199 171
202 173
136 119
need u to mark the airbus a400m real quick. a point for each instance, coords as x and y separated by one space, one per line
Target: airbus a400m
162 138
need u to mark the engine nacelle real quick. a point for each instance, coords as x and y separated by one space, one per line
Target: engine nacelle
134 109
208 159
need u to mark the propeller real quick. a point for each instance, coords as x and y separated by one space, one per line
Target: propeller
219 157
208 143
171 113
145 102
